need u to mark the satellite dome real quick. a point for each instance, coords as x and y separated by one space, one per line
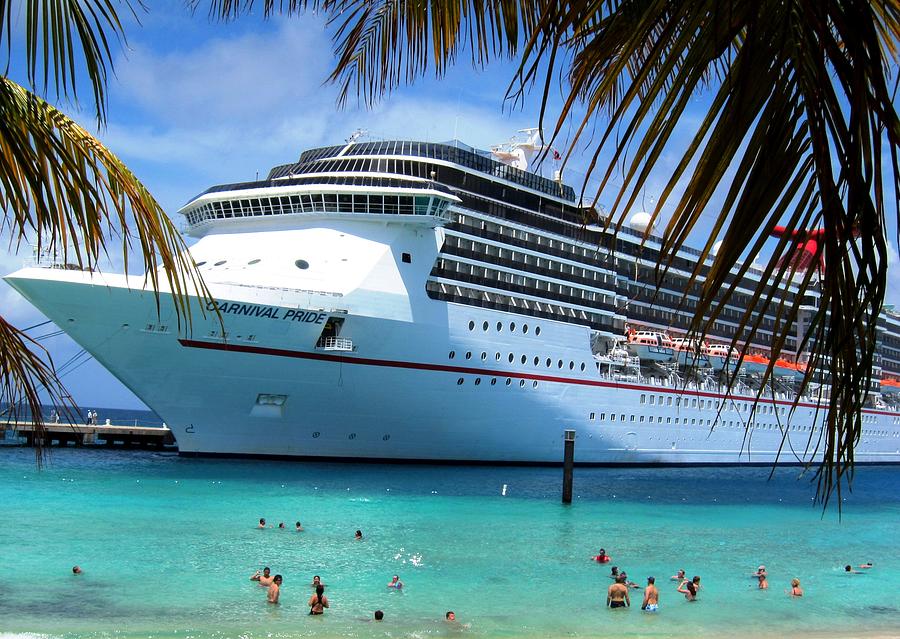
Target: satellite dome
640 221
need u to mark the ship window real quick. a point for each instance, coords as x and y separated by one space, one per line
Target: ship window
493 381
559 364
511 357
198 264
512 327
468 354
524 358
592 416
484 326
497 357
452 354
602 416
471 326
525 328
483 356
537 361
220 263
477 381
643 398
652 400
571 365
508 381
549 362
251 262
406 258
459 381
537 330
534 384
623 417
668 420
582 366
499 327
301 264
521 383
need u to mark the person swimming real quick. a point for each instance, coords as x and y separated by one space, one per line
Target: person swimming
763 581
281 525
379 615
602 557
689 588
318 602
395 583
76 570
614 573
849 570
358 535
796 590
262 522
298 527
317 581
651 596
679 577
450 616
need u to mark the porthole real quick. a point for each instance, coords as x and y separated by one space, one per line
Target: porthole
301 264
459 381
511 357
386 437
316 434
351 436
483 356
508 381
549 362
452 354
524 358
493 381
534 384
537 330
537 360
256 261
525 328
220 263
512 327
471 326
497 357
484 326
198 264
499 327
477 381
559 364
582 367
468 354
571 365
521 383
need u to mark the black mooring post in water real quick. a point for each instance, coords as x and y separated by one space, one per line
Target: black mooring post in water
568 463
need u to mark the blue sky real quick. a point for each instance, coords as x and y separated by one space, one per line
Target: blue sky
195 103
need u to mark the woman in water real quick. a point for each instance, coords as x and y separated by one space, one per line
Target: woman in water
796 590
318 602
689 588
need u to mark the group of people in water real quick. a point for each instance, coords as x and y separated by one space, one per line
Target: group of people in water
318 601
617 595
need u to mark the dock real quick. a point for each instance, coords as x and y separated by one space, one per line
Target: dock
95 435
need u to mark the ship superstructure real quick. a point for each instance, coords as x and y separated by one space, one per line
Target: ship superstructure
419 301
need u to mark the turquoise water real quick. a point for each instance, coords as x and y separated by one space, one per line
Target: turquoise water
168 545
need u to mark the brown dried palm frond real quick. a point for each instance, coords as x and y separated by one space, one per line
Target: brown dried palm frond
799 130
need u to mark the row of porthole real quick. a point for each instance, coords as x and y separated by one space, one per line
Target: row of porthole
350 436
477 382
524 359
301 264
485 326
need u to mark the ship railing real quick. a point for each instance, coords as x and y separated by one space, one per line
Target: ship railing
344 344
55 257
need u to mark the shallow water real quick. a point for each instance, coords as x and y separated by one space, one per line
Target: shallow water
168 544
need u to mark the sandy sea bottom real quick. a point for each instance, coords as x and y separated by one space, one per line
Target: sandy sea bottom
167 545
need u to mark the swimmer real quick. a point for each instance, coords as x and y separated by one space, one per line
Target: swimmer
316 582
358 535
395 583
274 590
450 616
602 557
76 570
379 616
262 522
281 525
760 571
617 594
318 602
651 596
689 588
796 590
849 570
866 565
298 527
763 582
627 581
679 577
614 573
257 576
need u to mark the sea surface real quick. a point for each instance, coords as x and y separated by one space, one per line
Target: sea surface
168 544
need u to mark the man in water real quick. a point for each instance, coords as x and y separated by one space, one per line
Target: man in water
450 616
281 525
849 570
679 577
262 522
379 616
76 570
627 581
651 596
358 535
614 573
395 583
763 582
298 527
274 590
601 557
617 594
264 579
761 571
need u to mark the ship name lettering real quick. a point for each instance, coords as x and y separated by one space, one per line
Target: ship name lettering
296 315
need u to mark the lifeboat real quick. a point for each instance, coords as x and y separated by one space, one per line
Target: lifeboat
890 386
689 354
754 364
721 357
650 346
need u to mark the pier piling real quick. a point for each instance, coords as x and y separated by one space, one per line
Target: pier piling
568 463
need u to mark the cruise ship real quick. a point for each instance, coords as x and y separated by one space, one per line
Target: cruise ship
417 301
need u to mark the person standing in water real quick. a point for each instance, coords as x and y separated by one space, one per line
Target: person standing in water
274 590
651 596
796 590
617 594
318 602
395 583
763 581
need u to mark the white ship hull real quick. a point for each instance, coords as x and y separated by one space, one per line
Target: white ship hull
399 395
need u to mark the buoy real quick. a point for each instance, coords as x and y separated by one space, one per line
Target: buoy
503 492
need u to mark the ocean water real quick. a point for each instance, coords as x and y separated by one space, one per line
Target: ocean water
168 544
